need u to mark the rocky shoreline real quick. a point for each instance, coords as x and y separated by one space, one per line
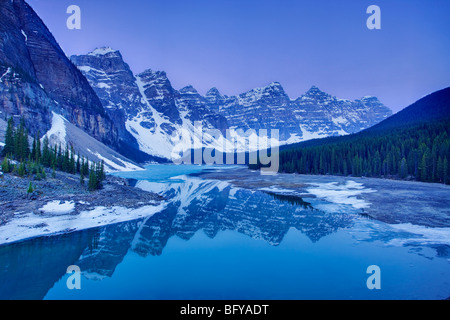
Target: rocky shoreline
63 187
61 204
389 201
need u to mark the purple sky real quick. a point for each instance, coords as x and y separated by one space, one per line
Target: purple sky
237 45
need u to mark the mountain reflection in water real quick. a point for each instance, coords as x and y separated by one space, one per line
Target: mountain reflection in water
195 205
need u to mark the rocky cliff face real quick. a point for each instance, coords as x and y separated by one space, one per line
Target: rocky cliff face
196 108
112 80
37 78
153 111
260 108
322 114
158 92
115 85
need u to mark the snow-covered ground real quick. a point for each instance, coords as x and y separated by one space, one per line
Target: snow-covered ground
57 217
58 207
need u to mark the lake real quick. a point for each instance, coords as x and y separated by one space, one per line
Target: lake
214 240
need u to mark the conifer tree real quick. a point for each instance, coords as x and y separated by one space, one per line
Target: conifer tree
37 154
33 149
72 164
8 149
46 155
403 169
30 188
445 170
6 166
21 170
424 167
93 183
82 178
78 164
440 170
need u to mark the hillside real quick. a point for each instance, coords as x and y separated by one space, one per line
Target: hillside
432 108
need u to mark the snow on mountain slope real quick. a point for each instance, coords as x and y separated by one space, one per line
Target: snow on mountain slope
165 121
65 134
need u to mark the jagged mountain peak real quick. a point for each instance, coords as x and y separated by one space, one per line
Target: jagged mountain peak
156 77
213 92
105 51
156 84
370 99
106 59
273 86
157 80
314 91
315 114
272 89
188 90
314 88
153 74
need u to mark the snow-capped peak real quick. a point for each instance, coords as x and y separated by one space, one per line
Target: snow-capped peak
188 90
369 98
156 112
213 92
315 91
275 85
103 51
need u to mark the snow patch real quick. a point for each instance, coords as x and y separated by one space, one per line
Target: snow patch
276 190
25 35
306 135
341 193
7 71
57 133
58 207
340 121
420 235
103 85
27 226
126 166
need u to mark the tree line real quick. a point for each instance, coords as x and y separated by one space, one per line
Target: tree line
419 153
23 160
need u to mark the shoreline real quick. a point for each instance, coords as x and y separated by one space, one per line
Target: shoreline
389 201
61 205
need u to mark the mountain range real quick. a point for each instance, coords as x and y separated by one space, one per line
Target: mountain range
139 117
153 110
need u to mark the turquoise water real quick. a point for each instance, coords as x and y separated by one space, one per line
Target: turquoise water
214 241
164 173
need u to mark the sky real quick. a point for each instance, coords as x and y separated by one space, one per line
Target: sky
238 45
